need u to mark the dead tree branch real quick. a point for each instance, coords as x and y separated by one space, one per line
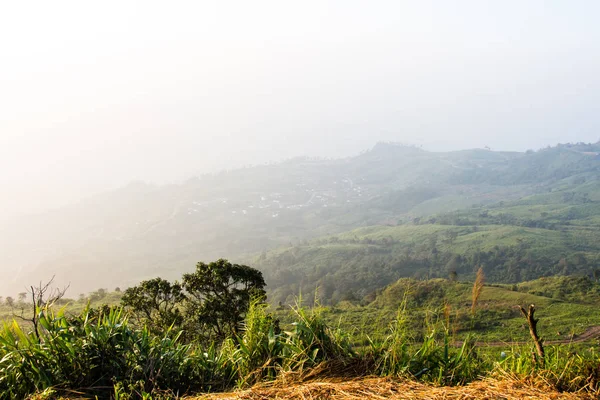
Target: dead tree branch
42 295
538 358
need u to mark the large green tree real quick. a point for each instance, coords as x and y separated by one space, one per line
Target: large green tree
157 302
219 295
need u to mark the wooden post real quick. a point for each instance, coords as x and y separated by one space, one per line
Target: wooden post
532 322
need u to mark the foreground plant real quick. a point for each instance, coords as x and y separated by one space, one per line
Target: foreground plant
99 353
93 351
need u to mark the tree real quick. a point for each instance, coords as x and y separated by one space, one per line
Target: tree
22 297
453 275
43 295
451 236
10 301
538 358
99 294
219 296
157 302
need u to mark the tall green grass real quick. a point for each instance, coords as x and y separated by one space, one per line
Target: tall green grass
100 353
436 359
263 351
567 367
93 353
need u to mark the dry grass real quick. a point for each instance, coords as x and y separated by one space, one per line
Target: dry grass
387 388
477 288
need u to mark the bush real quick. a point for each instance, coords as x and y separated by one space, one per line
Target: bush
94 352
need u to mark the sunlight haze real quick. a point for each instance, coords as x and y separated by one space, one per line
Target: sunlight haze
93 96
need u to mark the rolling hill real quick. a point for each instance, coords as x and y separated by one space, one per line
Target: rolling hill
411 195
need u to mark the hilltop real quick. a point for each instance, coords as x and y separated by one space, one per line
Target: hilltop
141 231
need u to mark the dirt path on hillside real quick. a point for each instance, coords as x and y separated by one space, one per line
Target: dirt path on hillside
590 333
387 388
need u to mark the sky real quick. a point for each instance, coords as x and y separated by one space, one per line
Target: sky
94 95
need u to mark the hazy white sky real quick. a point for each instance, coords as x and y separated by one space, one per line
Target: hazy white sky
96 94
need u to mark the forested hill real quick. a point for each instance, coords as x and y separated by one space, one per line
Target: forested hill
407 197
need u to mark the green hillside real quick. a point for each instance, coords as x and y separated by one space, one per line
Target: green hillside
567 307
353 264
554 232
141 231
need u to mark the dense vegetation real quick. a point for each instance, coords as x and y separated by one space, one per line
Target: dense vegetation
208 305
384 246
567 305
101 352
551 233
141 231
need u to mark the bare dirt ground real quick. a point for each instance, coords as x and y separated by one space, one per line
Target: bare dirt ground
590 333
387 388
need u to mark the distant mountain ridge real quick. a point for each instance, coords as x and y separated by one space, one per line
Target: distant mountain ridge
142 231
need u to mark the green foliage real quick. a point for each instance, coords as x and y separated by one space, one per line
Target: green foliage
257 352
521 217
496 319
360 262
393 352
218 296
156 302
167 228
575 289
312 340
568 367
94 350
210 304
100 353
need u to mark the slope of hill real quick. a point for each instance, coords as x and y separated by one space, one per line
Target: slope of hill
566 308
554 232
142 231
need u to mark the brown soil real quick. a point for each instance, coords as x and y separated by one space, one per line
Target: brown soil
590 333
387 388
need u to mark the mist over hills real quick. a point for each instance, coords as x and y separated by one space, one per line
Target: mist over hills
142 231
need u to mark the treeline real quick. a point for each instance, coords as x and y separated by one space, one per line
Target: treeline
485 218
546 165
353 269
573 206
